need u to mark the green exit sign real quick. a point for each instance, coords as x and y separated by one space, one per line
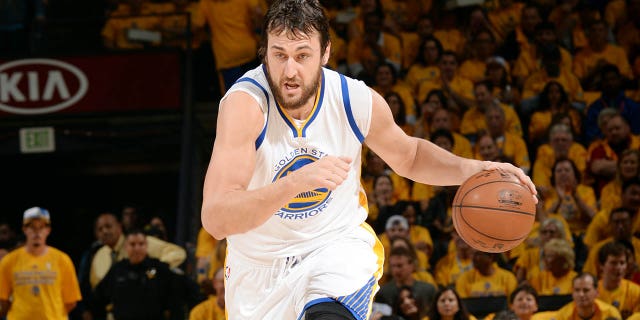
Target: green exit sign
40 139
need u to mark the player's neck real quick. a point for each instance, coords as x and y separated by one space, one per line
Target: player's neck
36 250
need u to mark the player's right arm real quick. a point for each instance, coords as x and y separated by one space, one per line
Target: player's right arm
227 206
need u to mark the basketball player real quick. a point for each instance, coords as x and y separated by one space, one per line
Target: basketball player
283 184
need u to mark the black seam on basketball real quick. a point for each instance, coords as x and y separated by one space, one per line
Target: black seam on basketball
492 208
488 236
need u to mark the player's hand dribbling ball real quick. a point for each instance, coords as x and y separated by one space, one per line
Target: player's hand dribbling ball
493 211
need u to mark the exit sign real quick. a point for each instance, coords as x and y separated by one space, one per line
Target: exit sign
40 139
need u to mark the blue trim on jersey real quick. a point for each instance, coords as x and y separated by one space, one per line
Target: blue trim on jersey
286 120
313 303
263 133
358 302
318 106
347 107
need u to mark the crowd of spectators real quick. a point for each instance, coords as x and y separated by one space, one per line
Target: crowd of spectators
548 85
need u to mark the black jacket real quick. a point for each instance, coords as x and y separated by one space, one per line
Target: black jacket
142 292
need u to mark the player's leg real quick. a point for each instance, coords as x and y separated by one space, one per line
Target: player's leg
328 311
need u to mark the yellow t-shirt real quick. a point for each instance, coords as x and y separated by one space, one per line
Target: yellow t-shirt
541 120
357 50
233 36
546 284
591 264
410 47
474 120
626 298
473 70
451 39
405 94
598 228
459 85
536 82
514 147
207 310
603 311
418 74
587 59
577 219
531 261
528 62
505 20
450 267
473 284
205 244
39 286
545 158
611 195
115 31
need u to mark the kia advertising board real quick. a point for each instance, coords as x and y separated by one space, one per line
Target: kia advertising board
109 83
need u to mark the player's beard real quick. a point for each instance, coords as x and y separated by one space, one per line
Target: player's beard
308 92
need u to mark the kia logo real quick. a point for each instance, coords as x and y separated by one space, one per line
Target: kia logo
38 86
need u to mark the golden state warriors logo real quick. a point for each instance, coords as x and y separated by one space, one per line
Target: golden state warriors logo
305 204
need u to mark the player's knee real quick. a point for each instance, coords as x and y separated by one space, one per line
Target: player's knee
328 311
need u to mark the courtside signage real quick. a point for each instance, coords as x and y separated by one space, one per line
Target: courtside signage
40 86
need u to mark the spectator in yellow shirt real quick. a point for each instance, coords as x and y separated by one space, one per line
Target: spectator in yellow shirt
530 261
474 119
576 202
458 89
232 25
398 110
613 288
454 263
551 70
559 262
509 144
212 308
413 39
425 67
598 229
387 81
483 47
628 168
523 36
441 119
553 100
506 17
503 89
604 153
530 61
561 145
37 281
587 63
374 42
486 278
585 305
619 226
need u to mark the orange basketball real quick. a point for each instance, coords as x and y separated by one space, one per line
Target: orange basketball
493 211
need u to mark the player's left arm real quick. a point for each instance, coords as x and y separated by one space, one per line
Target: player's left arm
421 160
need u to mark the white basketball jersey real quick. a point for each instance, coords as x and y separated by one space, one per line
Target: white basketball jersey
336 126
